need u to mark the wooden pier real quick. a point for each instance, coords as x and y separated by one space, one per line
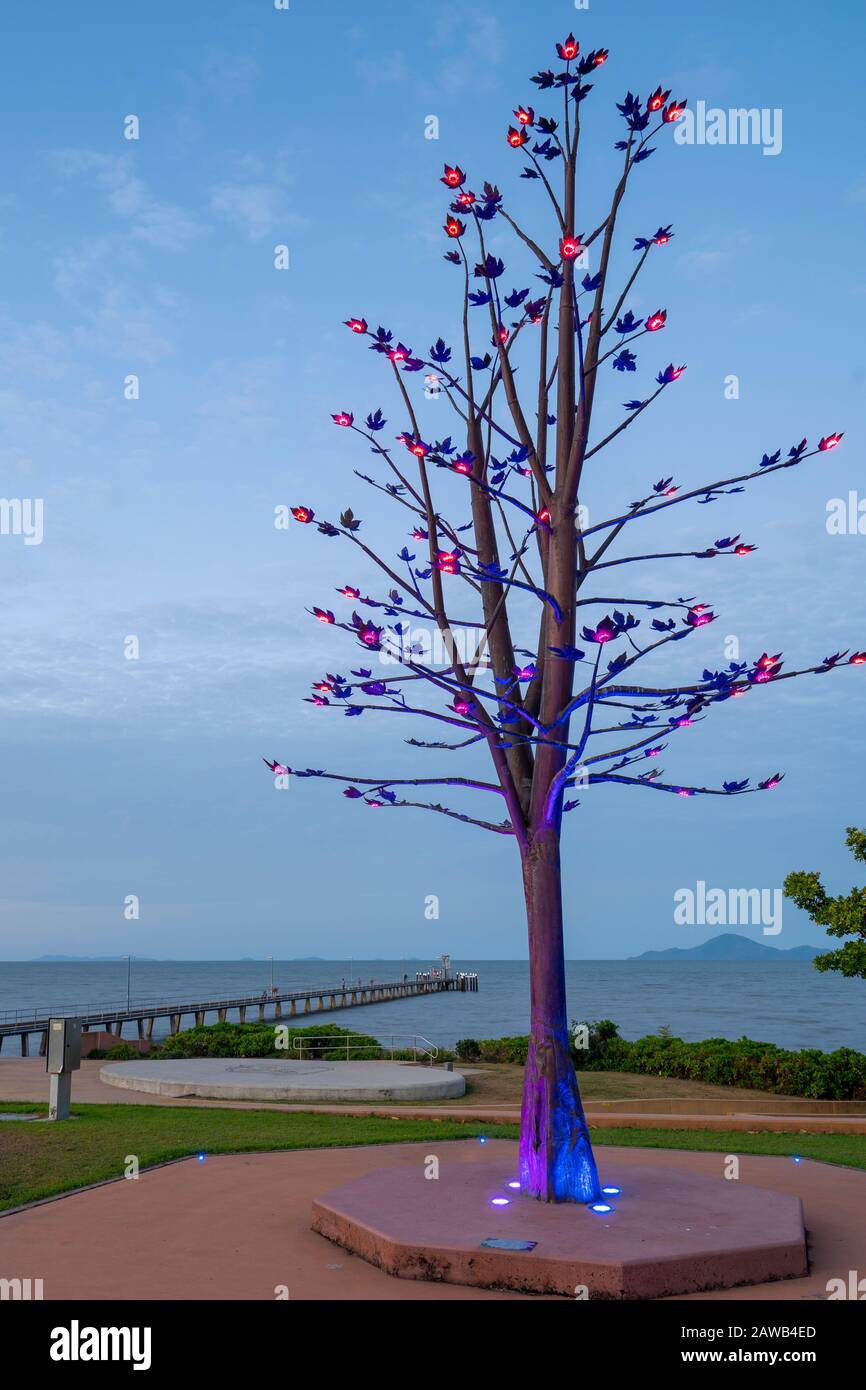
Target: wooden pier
326 999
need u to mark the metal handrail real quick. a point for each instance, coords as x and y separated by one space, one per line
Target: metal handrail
429 1049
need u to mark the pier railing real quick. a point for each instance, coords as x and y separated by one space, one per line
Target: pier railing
359 1042
328 999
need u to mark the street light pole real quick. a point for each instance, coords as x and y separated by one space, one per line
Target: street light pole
128 972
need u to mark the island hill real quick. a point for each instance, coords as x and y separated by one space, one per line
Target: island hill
730 946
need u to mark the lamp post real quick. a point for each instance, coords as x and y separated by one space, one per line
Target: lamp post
128 974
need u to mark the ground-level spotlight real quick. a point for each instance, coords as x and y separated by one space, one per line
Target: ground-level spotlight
514 1184
499 1202
200 1157
601 1207
611 1191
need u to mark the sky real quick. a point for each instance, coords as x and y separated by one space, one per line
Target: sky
154 258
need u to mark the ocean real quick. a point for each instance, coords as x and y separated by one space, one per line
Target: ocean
787 1003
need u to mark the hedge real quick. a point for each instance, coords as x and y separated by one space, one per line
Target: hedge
759 1066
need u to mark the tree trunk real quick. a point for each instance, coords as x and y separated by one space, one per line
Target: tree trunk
556 1159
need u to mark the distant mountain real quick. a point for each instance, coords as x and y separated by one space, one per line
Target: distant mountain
38 959
730 946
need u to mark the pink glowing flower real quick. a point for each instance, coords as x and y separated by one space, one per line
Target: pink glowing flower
349 592
829 442
370 635
356 325
570 247
345 418
656 321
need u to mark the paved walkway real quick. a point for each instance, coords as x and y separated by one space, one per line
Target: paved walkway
238 1227
24 1078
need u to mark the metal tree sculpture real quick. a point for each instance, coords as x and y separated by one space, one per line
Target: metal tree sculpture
523 470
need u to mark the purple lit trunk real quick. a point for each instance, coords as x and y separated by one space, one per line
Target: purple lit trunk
556 1160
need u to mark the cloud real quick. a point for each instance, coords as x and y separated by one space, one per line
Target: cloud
162 225
256 209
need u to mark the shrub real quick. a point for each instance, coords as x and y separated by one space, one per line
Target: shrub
260 1040
121 1052
760 1066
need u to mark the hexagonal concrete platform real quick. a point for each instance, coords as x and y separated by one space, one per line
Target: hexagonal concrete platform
668 1231
272 1078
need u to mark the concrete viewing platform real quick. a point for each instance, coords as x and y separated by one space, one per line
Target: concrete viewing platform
269 1078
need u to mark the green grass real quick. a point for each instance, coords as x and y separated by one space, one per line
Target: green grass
848 1150
41 1160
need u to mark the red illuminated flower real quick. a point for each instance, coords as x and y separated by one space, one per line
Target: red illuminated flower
466 199
324 615
356 325
525 115
829 442
345 417
516 138
656 321
454 227
453 178
543 517
858 659
349 592
304 514
657 100
569 49
448 561
463 466
601 56
674 111
570 247
744 549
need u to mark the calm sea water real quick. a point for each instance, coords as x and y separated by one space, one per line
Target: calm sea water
786 1003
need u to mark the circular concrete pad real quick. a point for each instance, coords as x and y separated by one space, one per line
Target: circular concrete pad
272 1078
670 1231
